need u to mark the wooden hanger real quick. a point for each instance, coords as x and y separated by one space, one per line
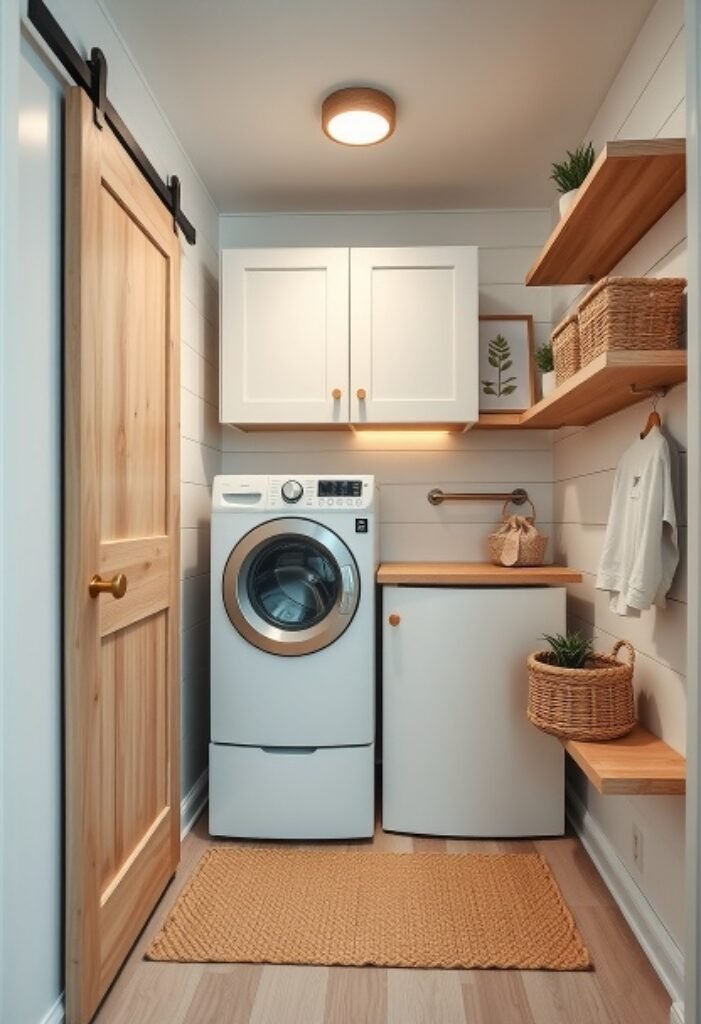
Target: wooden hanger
653 419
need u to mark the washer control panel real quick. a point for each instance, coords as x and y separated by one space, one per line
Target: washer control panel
341 493
339 488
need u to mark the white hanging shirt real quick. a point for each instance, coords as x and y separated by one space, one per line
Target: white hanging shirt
640 552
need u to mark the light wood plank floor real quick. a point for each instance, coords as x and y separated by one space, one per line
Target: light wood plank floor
623 988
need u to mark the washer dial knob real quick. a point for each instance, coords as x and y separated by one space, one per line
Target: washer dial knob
292 491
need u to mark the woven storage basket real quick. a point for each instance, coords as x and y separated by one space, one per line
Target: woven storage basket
565 345
630 313
532 548
591 703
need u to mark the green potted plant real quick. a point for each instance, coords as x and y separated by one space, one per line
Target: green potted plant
570 173
571 650
544 362
577 693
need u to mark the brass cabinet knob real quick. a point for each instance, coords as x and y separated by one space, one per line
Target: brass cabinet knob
394 619
361 393
336 393
117 586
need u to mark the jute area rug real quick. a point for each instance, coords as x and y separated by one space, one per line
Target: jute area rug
288 906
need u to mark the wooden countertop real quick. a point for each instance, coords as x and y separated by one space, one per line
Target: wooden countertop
448 574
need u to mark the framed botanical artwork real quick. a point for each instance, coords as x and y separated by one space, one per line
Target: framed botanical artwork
506 363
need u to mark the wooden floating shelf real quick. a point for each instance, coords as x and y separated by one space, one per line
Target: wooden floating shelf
638 764
599 389
631 185
498 421
604 386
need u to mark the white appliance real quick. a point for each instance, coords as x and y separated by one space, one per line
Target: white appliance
293 568
460 757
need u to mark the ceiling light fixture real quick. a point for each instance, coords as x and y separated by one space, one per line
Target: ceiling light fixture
358 116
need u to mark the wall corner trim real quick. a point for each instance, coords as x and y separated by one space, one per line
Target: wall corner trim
658 945
192 803
57 1013
676 1013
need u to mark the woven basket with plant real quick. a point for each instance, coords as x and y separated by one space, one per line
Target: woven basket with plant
577 693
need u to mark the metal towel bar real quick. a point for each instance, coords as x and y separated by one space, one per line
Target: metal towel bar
437 496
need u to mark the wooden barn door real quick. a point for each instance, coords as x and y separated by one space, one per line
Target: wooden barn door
122 543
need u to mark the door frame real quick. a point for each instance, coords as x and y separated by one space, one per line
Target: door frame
691 1010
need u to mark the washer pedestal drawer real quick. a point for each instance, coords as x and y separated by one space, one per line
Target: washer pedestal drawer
291 792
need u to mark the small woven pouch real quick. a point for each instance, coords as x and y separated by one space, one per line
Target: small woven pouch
517 541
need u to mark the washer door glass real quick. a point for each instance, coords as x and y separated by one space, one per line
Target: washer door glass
291 586
293 583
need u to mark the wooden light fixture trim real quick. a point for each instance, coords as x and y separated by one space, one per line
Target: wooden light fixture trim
358 98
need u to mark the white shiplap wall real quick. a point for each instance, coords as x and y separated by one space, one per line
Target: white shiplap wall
88 24
408 465
645 101
32 837
200 461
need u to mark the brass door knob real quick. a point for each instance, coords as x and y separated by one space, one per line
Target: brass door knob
361 393
394 619
336 393
117 586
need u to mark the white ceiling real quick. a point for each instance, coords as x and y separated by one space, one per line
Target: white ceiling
488 92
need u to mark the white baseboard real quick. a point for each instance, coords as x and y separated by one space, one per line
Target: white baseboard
56 1014
192 803
659 946
676 1013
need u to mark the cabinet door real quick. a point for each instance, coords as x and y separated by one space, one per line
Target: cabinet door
414 332
459 754
284 336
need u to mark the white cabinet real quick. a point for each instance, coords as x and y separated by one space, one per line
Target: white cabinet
414 329
459 755
284 336
337 336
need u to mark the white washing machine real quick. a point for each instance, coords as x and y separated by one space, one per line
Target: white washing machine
293 656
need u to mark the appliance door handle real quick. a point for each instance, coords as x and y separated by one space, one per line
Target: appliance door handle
347 590
290 751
